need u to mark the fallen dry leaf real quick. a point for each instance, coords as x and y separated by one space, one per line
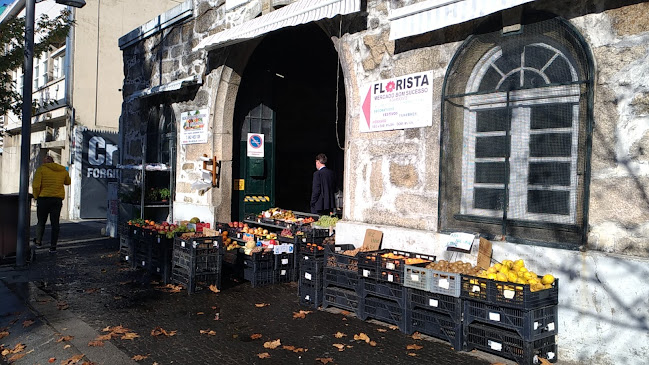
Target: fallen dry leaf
5 352
72 361
117 297
414 347
261 305
382 330
272 344
15 357
51 359
213 307
161 331
290 348
62 306
18 348
339 335
139 357
27 323
362 337
255 336
67 346
116 330
200 313
372 343
300 314
416 336
544 361
412 354
339 346
88 363
4 334
65 338
130 336
91 290
325 360
393 327
263 355
345 313
95 343
208 332
170 288
104 337
214 289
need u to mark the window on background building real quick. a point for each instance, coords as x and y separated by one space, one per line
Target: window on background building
57 67
36 76
520 110
46 78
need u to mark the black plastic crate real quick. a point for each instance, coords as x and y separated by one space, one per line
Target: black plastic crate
285 261
342 298
311 272
264 260
341 278
310 294
161 256
126 249
208 261
436 324
445 304
285 275
259 278
508 294
509 344
335 259
194 282
385 290
384 310
530 325
372 265
198 244
313 250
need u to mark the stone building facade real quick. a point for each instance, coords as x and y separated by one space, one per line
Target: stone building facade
412 183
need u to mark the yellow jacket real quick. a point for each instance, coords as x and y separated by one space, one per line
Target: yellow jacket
49 180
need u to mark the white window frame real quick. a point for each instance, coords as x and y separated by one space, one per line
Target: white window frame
520 103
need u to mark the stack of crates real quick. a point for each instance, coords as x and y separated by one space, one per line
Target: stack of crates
285 263
311 265
161 249
434 304
259 268
341 283
384 296
510 320
126 231
197 262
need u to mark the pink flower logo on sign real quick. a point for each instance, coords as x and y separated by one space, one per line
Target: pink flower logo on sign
390 86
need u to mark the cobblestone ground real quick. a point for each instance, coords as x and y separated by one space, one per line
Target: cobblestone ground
103 291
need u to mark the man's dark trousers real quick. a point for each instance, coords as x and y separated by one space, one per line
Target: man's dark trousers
52 207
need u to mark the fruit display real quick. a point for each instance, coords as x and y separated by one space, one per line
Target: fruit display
286 232
228 243
458 267
279 214
326 221
516 272
164 228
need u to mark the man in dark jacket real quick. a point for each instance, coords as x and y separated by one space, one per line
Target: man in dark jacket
323 201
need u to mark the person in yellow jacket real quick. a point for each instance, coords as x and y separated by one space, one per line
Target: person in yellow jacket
49 193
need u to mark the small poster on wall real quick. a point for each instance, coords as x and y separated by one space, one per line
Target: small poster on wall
193 126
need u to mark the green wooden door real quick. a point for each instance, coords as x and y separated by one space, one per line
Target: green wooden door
258 173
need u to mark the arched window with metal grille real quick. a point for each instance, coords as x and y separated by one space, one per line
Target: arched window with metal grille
521 106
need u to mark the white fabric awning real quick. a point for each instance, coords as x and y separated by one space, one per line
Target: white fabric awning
436 14
299 12
172 86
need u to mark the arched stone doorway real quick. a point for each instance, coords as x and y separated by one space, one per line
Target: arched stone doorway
292 91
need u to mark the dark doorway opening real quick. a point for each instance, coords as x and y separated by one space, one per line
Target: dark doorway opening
296 74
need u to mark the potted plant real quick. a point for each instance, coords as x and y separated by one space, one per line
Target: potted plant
164 194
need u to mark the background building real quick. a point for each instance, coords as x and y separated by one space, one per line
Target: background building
80 97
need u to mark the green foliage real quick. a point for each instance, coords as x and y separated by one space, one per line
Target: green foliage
50 32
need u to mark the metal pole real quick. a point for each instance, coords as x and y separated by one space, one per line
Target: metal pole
25 147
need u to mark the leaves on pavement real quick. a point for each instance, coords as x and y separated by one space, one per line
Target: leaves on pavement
51 359
95 343
263 355
91 290
382 330
362 337
412 354
62 306
345 313
65 338
104 337
339 346
261 305
4 334
255 336
214 289
393 327
272 344
130 336
170 288
339 335
293 348
27 323
208 332
15 357
139 357
73 360
161 331
414 347
300 314
416 336
325 360
67 346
